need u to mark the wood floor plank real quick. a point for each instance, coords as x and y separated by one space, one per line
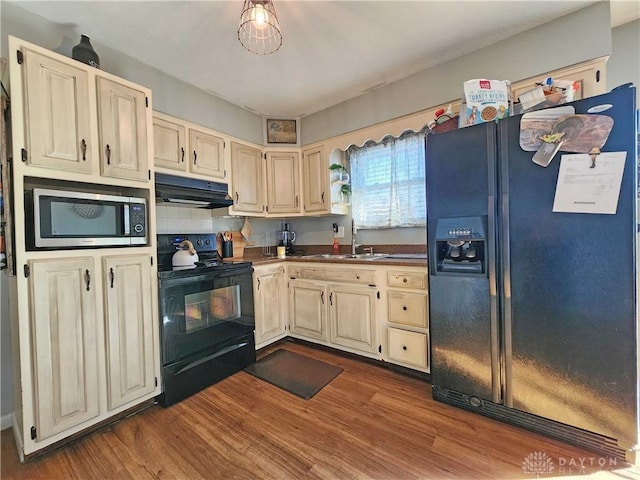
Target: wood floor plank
368 423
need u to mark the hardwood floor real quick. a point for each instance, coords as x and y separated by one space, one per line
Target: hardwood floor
369 422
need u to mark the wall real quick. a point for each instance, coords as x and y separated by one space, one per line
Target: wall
624 63
6 389
574 38
170 95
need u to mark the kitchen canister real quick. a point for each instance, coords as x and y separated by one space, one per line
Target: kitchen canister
282 252
84 52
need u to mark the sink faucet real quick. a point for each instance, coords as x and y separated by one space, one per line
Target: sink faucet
354 232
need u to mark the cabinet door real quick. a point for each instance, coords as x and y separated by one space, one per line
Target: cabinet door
207 154
315 179
353 316
248 179
270 303
65 347
308 309
122 125
283 182
169 148
129 323
58 115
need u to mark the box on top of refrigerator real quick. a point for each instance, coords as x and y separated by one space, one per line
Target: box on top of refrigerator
485 101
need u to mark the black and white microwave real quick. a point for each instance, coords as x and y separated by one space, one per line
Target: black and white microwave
69 219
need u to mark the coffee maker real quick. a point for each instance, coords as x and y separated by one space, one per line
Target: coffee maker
287 237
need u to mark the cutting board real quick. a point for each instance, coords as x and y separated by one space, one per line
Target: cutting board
238 245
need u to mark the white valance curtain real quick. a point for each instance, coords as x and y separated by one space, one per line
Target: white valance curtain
388 182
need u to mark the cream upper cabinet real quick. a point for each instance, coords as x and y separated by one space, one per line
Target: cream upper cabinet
269 287
122 131
315 181
128 328
283 183
247 187
206 154
353 316
65 345
183 146
308 309
58 115
79 119
169 143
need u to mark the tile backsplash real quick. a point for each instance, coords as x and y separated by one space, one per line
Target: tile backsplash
185 219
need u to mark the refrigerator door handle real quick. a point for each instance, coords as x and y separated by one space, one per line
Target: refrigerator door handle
496 379
505 262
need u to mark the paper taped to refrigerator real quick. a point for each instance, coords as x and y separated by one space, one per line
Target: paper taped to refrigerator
582 188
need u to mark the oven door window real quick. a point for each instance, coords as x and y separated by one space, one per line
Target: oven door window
199 312
210 308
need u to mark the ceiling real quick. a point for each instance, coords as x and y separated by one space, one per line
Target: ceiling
331 51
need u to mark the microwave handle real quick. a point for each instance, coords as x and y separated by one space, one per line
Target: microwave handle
126 221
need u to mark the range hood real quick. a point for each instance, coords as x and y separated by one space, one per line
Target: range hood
191 191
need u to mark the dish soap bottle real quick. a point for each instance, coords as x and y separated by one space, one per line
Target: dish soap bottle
336 246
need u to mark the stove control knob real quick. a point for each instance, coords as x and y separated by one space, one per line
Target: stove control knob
207 242
199 242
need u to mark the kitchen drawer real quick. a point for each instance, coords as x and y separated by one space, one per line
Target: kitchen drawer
407 280
361 276
407 347
407 308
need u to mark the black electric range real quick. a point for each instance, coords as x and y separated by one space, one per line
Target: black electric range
207 319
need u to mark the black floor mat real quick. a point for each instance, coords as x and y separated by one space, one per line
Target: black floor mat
295 373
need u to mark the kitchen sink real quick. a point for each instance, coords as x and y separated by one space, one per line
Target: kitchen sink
347 256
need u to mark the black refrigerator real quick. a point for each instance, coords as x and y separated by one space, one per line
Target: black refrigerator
534 312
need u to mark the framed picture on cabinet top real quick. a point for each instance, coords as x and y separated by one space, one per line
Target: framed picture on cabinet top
282 131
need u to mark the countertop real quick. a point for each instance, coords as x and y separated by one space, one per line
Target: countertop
311 255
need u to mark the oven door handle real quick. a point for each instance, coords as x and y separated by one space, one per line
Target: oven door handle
210 357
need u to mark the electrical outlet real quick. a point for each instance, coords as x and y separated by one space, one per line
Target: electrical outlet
339 233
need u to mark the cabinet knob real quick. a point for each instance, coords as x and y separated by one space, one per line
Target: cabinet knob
404 307
404 347
405 280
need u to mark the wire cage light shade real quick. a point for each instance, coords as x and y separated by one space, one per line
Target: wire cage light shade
259 30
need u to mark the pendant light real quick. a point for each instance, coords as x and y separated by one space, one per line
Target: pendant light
259 30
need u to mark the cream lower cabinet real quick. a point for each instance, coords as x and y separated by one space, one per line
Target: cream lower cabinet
94 342
407 320
308 309
346 296
269 288
65 351
353 315
129 328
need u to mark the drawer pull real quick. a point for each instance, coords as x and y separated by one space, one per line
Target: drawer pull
404 307
405 280
404 347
